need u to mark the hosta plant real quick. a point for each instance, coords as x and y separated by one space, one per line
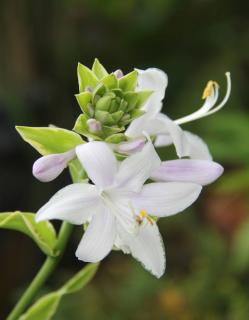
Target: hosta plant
120 187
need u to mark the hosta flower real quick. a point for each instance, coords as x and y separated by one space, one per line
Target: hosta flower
164 129
118 206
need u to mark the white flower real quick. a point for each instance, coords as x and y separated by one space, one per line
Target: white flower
118 205
163 128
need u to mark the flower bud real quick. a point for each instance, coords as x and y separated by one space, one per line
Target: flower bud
103 103
118 74
49 167
88 89
94 125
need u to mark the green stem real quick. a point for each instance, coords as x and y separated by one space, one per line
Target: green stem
43 274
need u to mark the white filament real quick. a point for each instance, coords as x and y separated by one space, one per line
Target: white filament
208 106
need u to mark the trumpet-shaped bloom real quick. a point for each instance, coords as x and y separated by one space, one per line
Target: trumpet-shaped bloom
118 206
163 128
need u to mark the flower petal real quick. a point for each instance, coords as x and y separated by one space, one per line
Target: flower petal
147 123
98 239
156 80
186 143
197 147
146 246
163 140
119 204
174 132
130 147
75 203
201 172
137 168
165 199
99 162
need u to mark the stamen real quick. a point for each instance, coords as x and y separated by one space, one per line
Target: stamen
143 215
210 95
209 89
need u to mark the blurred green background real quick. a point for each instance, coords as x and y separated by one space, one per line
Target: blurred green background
193 41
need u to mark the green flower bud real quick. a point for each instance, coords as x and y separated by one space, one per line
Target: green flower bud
104 103
109 102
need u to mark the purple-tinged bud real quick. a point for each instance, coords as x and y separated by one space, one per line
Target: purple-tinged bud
49 167
118 74
131 147
94 125
88 89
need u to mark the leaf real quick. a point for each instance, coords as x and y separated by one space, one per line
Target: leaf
82 128
84 99
136 99
99 71
116 138
42 233
128 82
46 306
86 78
48 140
80 279
110 81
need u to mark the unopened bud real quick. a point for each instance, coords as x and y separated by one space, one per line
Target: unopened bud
88 89
94 125
118 74
49 167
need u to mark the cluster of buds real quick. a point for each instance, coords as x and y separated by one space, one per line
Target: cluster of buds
109 102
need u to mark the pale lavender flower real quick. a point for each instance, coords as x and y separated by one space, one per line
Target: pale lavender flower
118 206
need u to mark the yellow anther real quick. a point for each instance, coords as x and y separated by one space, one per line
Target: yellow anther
143 214
208 90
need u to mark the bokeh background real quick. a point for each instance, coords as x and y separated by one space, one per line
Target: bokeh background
193 41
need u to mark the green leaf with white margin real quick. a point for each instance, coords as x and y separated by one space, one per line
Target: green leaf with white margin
50 140
86 78
45 307
99 71
42 233
129 81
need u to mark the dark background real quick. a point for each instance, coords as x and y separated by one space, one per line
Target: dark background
193 41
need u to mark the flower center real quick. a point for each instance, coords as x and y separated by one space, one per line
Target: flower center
143 215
